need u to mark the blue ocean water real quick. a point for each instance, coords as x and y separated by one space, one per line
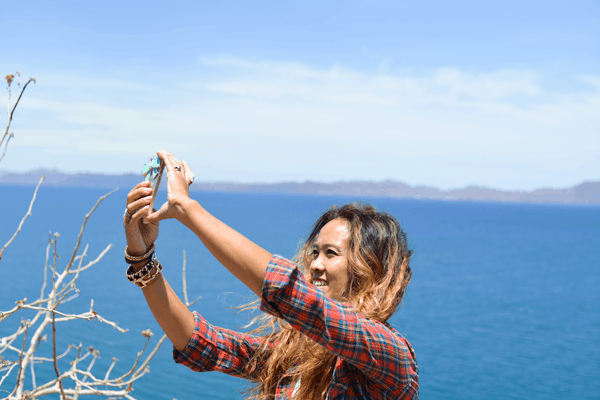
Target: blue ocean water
504 301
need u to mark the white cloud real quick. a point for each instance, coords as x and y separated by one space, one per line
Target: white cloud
243 120
278 79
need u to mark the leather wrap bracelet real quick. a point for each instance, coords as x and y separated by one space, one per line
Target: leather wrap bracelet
129 259
147 274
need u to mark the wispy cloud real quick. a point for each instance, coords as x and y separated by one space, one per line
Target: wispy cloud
446 85
248 120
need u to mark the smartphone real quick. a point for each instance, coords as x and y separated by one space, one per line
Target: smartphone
152 173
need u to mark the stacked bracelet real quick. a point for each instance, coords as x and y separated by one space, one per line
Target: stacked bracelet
147 274
129 259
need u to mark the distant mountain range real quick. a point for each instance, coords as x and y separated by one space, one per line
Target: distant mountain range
584 193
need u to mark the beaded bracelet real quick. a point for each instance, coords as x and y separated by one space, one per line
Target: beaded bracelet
147 274
129 259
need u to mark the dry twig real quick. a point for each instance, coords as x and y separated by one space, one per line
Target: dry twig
60 386
9 80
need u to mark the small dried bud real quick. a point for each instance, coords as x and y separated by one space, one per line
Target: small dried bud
9 79
147 333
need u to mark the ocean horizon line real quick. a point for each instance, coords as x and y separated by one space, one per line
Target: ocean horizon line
586 192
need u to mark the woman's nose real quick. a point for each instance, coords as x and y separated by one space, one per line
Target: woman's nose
317 264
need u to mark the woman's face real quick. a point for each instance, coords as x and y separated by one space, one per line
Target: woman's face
329 266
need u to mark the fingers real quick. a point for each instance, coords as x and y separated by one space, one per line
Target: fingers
169 160
139 214
138 198
134 206
189 175
157 216
180 177
140 190
141 184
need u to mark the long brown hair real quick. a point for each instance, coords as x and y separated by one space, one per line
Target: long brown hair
378 270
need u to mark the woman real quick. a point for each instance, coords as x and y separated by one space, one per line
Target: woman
325 335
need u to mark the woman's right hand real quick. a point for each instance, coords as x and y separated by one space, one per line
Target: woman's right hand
140 236
179 179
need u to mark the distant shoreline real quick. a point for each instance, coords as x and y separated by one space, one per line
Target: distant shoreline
584 193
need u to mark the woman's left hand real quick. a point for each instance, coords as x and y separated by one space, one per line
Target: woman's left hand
179 178
140 236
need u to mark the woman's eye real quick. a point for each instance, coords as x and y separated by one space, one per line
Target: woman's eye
331 252
315 252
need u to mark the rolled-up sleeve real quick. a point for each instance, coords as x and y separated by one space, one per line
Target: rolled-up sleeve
379 351
217 349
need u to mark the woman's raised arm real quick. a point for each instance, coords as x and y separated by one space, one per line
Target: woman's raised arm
242 257
169 311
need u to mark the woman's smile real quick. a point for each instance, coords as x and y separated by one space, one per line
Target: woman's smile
319 282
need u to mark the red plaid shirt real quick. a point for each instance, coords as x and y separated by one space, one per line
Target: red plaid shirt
371 349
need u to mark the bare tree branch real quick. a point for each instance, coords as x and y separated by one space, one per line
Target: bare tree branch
87 216
112 365
184 280
151 355
185 294
24 218
32 364
21 354
8 373
148 334
62 392
80 269
64 354
10 136
11 112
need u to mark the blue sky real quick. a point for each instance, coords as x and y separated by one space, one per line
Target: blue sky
503 94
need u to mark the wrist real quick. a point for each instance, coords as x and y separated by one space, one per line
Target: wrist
137 252
186 208
138 258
